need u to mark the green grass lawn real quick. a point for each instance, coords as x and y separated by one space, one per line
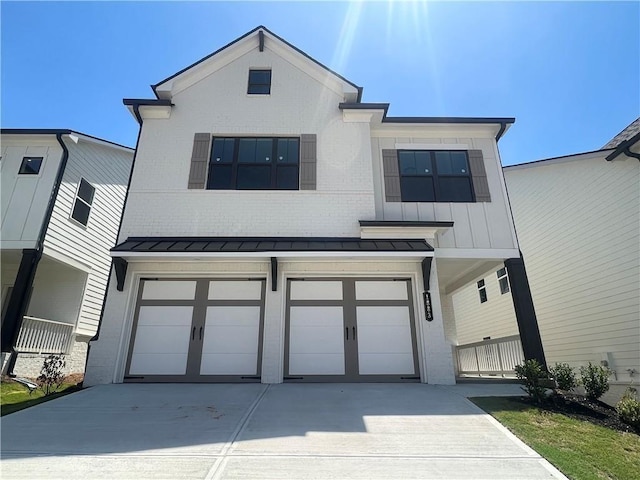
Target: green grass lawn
580 450
14 396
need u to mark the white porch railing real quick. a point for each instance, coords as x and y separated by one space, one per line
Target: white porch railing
38 335
490 357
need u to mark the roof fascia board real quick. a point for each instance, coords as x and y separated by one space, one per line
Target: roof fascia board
436 131
451 120
169 256
44 132
596 154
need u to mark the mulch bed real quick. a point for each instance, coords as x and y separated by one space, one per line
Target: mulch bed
582 408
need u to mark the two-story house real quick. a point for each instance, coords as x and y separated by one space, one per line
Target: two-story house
62 198
279 229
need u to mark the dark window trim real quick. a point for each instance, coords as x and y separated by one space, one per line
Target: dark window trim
482 291
254 84
22 164
436 177
503 281
77 198
273 164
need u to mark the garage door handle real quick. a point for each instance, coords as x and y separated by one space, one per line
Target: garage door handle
200 333
193 333
354 333
346 329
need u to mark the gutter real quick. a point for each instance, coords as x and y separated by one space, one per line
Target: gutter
503 127
625 147
30 259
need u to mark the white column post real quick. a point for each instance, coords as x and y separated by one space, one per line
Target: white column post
437 350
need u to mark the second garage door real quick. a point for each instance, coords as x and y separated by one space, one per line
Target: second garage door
350 330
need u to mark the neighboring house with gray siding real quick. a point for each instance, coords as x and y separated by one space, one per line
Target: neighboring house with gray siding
277 228
578 223
62 198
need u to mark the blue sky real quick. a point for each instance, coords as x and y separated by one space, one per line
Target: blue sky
568 71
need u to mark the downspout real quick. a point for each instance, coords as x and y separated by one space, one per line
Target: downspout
627 151
136 111
503 127
20 297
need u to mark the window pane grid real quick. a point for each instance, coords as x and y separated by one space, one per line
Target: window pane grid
445 176
251 165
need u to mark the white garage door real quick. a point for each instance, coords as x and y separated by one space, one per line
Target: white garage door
350 330
197 331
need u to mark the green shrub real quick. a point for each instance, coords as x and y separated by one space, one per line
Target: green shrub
595 380
51 375
628 408
533 375
564 376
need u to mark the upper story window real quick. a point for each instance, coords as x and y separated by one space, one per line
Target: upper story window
83 202
503 280
254 164
30 165
259 82
435 176
482 291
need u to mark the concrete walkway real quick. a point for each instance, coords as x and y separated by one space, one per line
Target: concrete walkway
322 431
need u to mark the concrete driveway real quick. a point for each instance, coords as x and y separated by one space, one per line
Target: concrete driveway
323 431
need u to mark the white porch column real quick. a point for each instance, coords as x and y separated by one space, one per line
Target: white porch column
437 349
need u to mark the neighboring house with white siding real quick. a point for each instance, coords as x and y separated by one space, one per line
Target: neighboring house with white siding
62 198
578 223
279 229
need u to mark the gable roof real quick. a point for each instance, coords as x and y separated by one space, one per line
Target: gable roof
258 32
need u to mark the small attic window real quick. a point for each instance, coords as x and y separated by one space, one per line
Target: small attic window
259 82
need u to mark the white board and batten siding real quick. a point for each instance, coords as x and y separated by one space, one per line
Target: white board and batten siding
107 169
481 225
25 197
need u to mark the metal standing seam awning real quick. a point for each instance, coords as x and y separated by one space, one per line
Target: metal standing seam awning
150 248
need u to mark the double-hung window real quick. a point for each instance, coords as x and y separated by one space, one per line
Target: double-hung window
503 280
435 176
254 163
83 202
482 291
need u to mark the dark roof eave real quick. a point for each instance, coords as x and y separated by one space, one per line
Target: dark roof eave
404 223
56 131
271 244
147 102
471 120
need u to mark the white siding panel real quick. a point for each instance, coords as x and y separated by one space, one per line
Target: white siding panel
107 169
578 224
25 197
